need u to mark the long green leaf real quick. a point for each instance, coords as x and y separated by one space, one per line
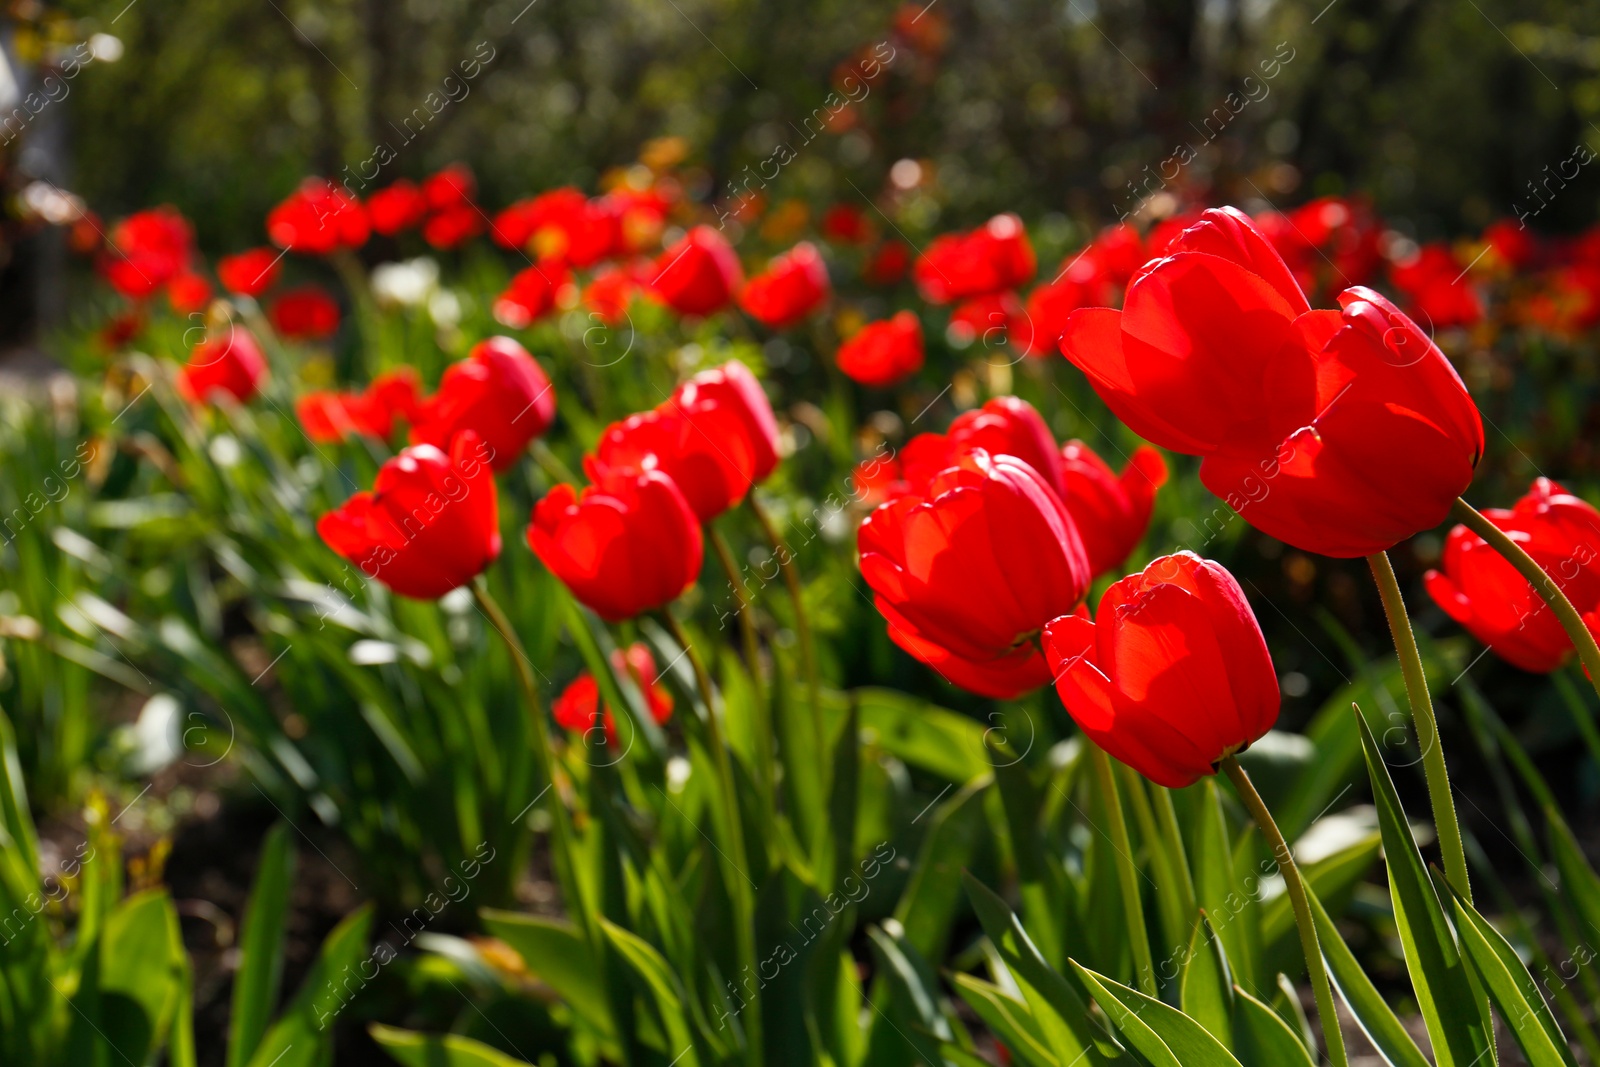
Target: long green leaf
255 989
556 954
1373 1014
1262 1039
1206 984
1451 1007
448 1050
1161 1033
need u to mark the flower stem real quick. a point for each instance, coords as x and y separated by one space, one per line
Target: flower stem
1542 583
1127 874
1433 765
1580 714
740 885
802 623
538 728
1331 1034
752 656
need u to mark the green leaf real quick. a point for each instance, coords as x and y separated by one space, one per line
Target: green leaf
1060 1010
141 974
1233 910
1262 1039
930 738
558 955
1008 1017
1161 1033
447 1050
662 985
1512 989
1206 984
1372 1013
913 1009
927 907
1331 877
303 1035
1444 990
1578 879
255 989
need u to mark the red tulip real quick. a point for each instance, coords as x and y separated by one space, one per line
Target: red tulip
146 251
968 574
882 353
452 226
328 417
997 320
699 274
1009 425
397 207
793 285
846 224
499 392
1481 591
188 292
305 314
609 294
1341 433
993 257
249 273
430 524
230 362
1437 288
561 225
578 705
1172 674
1513 243
450 186
1112 512
531 294
641 216
317 219
716 438
625 546
887 264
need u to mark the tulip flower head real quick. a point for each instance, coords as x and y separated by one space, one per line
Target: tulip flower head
947 571
147 250
499 392
624 546
1172 674
1479 589
1338 432
430 524
793 285
249 273
883 353
318 219
229 362
306 313
329 417
1112 511
994 257
699 275
579 706
397 207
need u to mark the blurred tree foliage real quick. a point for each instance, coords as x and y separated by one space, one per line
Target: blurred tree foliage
1442 111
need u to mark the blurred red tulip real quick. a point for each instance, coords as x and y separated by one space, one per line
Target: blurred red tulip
561 225
306 313
317 219
625 546
1340 433
249 273
145 251
397 207
1172 674
329 417
230 362
450 186
1481 591
452 226
883 353
1437 288
499 392
531 294
998 322
731 394
698 275
188 292
995 256
610 293
641 216
846 224
1112 512
968 574
793 285
579 704
1513 243
430 524
887 264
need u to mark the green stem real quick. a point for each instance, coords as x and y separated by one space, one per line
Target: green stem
1167 818
802 623
539 729
752 657
1127 875
1542 583
1331 1034
737 865
1433 765
553 466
